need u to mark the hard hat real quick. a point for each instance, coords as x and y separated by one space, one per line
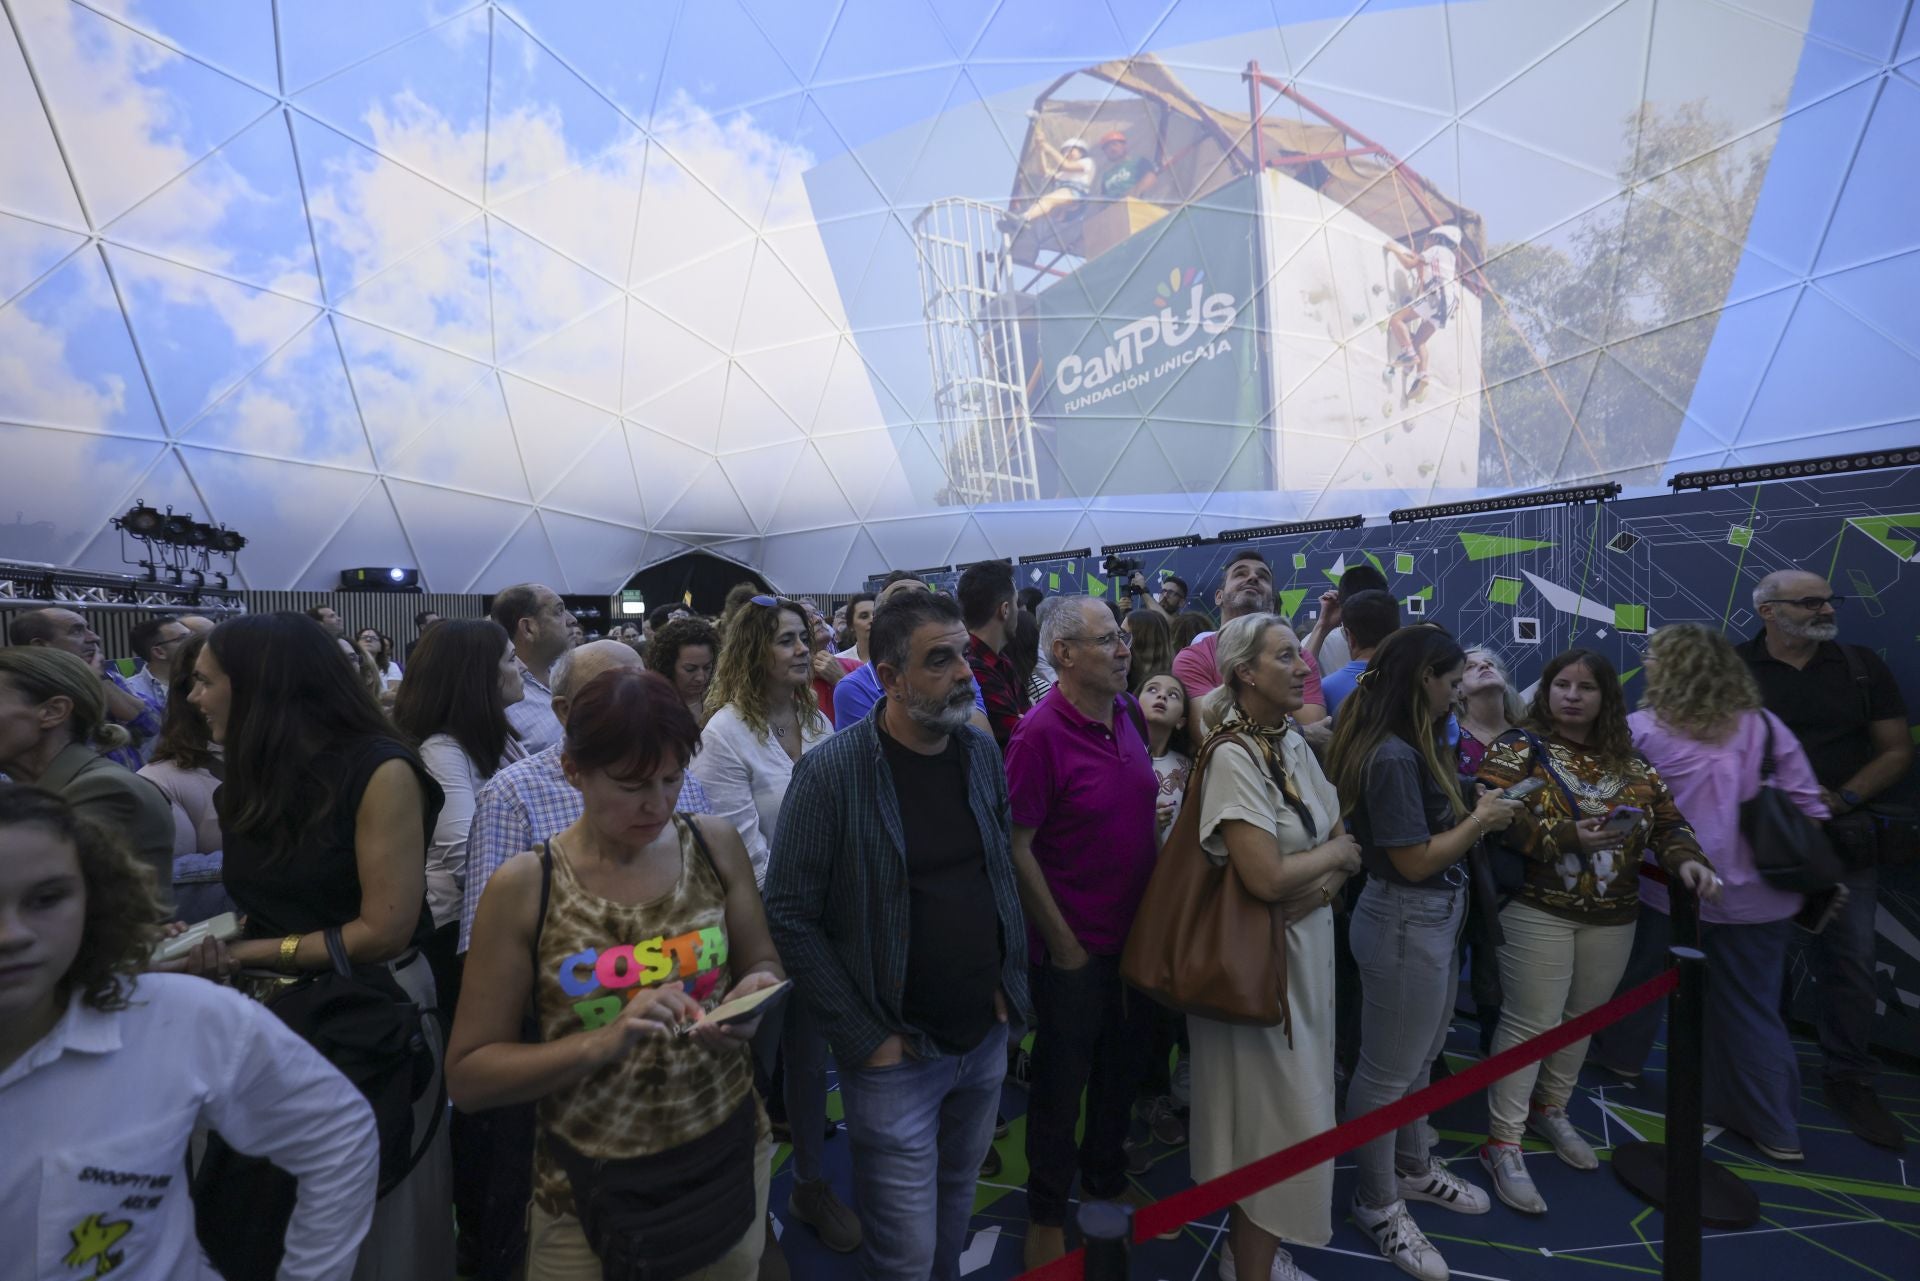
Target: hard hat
1076 141
1447 231
1112 135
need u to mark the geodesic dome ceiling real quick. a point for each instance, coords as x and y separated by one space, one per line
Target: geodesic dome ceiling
555 289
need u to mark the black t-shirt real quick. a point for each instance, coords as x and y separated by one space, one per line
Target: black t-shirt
1824 705
953 959
315 884
1400 805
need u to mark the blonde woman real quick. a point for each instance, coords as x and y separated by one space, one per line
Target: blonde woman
1701 725
1267 808
762 719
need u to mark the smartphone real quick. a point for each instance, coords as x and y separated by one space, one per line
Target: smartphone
225 927
1523 789
742 1008
1623 819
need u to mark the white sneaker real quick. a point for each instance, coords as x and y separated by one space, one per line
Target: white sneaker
1284 1268
1432 1135
1443 1187
1553 1125
1182 1086
1511 1182
1401 1242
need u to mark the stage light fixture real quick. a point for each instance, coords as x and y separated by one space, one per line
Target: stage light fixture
1567 496
1078 553
1332 524
201 534
227 541
1153 544
1798 469
141 520
175 530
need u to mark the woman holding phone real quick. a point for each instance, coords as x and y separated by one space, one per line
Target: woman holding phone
1569 928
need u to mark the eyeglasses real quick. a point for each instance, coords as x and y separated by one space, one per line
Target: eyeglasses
1106 640
1812 604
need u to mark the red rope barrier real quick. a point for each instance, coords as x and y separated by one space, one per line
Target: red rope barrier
1236 1185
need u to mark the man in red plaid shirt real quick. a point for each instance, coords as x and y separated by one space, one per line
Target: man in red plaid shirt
987 604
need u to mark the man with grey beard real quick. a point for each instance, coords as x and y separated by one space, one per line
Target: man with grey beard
1843 705
891 896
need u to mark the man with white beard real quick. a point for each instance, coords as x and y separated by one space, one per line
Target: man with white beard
1843 705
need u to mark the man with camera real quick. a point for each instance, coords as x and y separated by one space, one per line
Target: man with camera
1842 704
1173 588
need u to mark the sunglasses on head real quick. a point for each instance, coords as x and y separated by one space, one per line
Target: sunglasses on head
765 602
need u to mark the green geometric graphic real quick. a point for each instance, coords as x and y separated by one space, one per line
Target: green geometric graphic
1898 534
1739 536
1299 560
1290 600
1487 546
1095 587
1053 582
1504 591
1402 563
1630 618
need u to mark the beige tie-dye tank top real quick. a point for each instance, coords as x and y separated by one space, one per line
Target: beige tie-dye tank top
594 955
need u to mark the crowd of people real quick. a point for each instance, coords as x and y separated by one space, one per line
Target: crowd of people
628 903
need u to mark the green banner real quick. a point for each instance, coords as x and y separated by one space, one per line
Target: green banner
1159 328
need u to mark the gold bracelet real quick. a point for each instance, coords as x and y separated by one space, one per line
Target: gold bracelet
288 946
1477 823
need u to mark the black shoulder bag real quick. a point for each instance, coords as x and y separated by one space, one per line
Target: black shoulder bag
1790 850
664 1215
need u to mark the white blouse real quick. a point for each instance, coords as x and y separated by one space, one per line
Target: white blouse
460 779
746 776
100 1110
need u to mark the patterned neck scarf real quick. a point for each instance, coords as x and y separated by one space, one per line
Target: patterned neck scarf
1269 741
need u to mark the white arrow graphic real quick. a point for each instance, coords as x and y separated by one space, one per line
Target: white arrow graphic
1570 602
979 1251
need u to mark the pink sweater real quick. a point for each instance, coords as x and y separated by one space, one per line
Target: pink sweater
1709 780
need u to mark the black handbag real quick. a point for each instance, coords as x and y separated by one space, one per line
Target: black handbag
1790 850
657 1217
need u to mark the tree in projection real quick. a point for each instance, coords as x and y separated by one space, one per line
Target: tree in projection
1596 331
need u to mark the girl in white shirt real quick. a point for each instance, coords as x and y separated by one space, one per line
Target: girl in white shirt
763 719
100 1188
1164 701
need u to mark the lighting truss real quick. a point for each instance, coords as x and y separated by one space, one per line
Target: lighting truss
30 586
1154 544
1568 496
1077 553
1331 524
1799 469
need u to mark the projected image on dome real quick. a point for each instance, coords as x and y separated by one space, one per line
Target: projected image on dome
559 289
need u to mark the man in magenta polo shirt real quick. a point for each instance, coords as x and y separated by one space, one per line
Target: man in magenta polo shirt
1082 790
1247 588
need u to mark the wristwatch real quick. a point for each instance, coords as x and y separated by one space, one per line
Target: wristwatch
1853 799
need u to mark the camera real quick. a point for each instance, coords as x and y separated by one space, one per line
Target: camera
1119 566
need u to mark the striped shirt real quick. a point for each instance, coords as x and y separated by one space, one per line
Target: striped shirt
528 802
838 891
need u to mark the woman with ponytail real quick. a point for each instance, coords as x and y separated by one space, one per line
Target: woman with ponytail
53 727
1399 788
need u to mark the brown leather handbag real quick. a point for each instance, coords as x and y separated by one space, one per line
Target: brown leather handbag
1201 943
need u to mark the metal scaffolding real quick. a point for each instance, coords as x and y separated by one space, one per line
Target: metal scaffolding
972 312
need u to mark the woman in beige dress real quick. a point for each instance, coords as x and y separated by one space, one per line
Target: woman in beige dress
1266 806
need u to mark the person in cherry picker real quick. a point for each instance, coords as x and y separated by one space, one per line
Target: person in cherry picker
1436 272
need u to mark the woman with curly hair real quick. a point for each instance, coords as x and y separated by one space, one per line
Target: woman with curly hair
1570 925
764 719
684 651
1701 725
1151 648
101 1187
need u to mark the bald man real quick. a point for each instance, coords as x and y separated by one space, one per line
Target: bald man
1843 705
531 800
195 623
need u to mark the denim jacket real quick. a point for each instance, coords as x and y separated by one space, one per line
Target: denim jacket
837 894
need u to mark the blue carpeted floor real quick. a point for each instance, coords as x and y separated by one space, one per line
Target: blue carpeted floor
1850 1211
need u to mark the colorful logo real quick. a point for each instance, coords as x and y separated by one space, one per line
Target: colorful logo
1181 280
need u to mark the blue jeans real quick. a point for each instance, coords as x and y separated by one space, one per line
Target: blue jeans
920 1130
1403 942
1750 1072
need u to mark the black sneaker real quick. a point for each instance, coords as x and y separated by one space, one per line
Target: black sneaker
1000 1126
1865 1115
1020 1068
990 1168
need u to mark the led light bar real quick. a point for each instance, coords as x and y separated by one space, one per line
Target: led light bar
1329 525
1568 496
931 569
1796 470
1077 553
991 560
1154 544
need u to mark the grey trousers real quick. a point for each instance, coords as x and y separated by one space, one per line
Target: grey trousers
1403 942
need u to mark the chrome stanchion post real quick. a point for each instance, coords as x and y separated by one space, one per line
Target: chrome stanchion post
1106 1230
1680 1255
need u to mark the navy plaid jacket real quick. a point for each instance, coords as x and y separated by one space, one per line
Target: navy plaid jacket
837 897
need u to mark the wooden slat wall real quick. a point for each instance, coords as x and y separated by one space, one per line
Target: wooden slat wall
392 613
